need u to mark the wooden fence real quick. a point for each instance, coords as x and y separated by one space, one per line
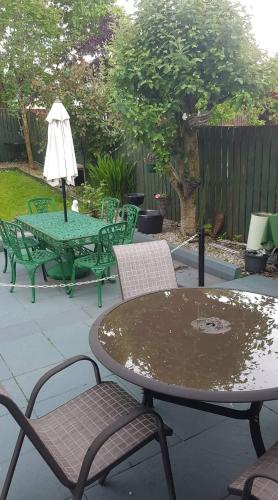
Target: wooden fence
238 172
238 169
11 140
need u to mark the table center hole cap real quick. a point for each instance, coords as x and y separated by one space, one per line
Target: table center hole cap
211 325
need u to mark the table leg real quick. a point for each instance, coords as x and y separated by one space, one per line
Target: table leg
255 429
252 414
55 271
147 398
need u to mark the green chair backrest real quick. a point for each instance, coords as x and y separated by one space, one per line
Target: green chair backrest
110 209
108 236
129 213
14 233
41 205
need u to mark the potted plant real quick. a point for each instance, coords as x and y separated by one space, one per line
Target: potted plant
163 200
255 261
150 163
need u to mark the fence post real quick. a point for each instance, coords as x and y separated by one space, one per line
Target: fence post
201 259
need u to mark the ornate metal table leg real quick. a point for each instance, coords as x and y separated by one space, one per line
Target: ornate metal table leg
254 423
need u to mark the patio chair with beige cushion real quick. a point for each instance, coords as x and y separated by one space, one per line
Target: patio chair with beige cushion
144 268
83 439
260 480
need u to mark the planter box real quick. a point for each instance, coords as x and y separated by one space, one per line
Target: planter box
134 198
255 263
150 222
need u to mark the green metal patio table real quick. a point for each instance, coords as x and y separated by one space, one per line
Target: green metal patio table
65 237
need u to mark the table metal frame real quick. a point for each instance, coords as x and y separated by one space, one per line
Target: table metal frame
196 399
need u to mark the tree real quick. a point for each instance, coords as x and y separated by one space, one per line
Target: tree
170 67
28 29
37 40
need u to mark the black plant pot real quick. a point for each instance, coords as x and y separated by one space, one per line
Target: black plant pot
134 198
150 222
255 263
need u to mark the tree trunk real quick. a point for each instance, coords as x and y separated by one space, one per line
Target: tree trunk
188 217
26 135
178 176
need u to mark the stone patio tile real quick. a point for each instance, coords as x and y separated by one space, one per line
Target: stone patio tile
29 353
9 434
5 373
69 339
15 392
254 283
33 480
70 317
202 466
76 376
18 330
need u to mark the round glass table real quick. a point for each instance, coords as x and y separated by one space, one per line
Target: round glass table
194 347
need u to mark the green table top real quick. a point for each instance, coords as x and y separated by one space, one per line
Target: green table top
52 225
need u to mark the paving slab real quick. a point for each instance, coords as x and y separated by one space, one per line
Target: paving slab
207 451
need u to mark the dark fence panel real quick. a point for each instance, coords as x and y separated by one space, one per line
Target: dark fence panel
11 141
239 173
150 183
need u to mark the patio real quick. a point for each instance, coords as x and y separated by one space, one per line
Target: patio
34 337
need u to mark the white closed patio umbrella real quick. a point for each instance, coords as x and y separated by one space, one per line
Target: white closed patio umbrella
60 162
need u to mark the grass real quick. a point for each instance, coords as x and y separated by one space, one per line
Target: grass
16 188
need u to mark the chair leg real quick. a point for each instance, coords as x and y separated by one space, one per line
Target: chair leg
32 280
12 466
167 466
77 494
103 478
99 290
44 272
5 260
13 280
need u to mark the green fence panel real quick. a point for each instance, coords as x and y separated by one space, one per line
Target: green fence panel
11 141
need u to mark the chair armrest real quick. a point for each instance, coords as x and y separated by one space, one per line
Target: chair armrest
109 431
41 382
248 485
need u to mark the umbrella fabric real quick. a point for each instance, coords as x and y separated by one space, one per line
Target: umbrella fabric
60 161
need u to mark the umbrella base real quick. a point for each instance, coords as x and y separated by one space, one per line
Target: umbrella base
55 272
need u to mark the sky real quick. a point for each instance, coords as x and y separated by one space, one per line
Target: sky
264 20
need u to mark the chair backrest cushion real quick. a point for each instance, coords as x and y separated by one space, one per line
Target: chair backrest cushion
144 268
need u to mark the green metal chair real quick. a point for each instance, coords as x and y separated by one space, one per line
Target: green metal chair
8 253
110 209
24 255
41 205
129 213
102 258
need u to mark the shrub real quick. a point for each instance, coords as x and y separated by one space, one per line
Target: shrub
117 176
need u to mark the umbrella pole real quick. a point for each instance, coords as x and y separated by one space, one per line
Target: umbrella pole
64 199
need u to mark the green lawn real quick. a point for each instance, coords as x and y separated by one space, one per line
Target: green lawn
16 188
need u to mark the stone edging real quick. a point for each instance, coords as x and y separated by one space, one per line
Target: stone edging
213 266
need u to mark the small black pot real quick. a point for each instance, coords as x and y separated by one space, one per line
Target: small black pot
255 263
150 222
134 198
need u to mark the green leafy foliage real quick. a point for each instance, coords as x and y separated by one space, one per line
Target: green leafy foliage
90 198
170 67
116 174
